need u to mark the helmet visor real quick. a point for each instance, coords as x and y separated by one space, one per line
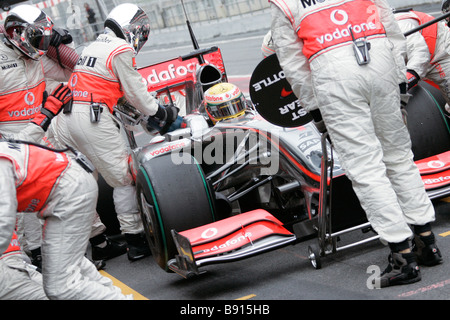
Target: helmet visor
445 10
31 39
131 23
140 30
228 109
445 6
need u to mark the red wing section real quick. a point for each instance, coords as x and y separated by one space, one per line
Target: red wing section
176 71
233 233
435 172
230 239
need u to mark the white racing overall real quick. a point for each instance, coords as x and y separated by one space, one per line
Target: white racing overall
65 198
360 104
106 72
22 85
428 51
18 279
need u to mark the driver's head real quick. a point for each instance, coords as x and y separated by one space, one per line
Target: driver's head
29 30
445 9
224 101
131 23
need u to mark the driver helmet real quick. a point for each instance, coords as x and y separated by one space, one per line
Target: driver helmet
224 101
131 23
29 30
445 9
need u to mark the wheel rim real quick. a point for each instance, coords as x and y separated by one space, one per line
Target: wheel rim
312 258
148 221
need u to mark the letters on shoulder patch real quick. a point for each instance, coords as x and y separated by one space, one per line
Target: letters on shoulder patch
310 3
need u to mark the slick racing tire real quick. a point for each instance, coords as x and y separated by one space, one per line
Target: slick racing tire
426 122
171 197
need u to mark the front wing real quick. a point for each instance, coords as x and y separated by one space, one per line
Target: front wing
231 239
435 173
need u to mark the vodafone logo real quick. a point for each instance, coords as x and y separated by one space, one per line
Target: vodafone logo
168 148
339 17
229 244
209 233
74 80
435 164
436 180
77 93
172 72
30 98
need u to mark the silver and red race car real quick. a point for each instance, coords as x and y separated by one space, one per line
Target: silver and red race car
214 193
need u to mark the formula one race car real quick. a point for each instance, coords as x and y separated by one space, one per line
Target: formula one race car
212 192
228 184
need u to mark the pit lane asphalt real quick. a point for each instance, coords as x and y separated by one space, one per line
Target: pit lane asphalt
286 273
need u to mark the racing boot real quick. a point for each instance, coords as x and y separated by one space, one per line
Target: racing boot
104 248
402 269
426 251
138 247
99 264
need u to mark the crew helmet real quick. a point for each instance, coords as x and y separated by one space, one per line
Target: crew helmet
445 8
131 23
29 30
224 101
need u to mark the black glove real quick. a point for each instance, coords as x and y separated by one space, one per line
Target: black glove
413 78
60 36
166 115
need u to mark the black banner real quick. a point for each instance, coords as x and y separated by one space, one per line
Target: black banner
272 95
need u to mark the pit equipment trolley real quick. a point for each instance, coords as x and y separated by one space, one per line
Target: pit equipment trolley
338 213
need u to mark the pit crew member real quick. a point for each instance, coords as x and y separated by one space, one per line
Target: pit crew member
18 279
428 50
26 75
346 60
62 193
105 73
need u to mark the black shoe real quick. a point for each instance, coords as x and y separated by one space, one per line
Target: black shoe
137 246
426 251
99 264
111 250
402 269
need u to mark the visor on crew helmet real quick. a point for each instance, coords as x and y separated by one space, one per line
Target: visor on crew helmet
130 23
224 101
29 30
445 7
